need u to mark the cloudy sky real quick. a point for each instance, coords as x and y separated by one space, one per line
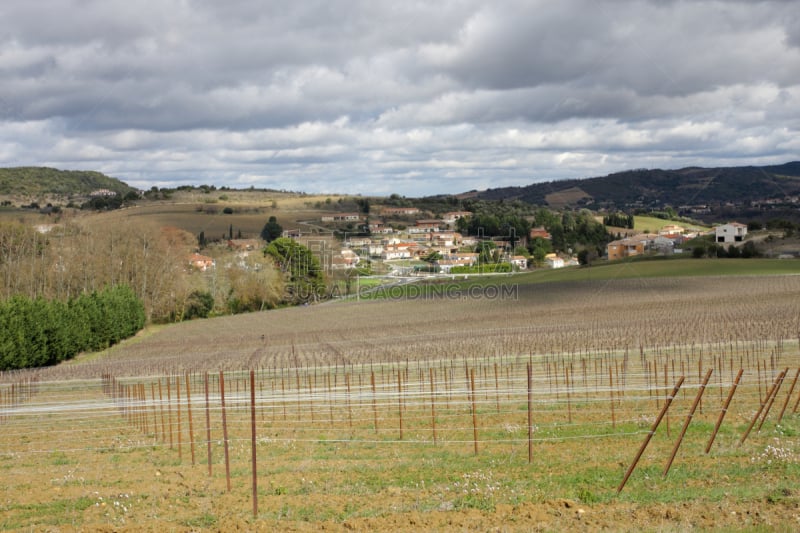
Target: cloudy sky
413 97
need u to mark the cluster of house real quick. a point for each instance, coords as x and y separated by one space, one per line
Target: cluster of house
669 239
437 238
447 246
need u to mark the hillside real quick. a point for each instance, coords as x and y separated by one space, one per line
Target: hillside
657 188
37 182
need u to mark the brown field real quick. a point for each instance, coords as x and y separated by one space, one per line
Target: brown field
191 213
560 199
366 416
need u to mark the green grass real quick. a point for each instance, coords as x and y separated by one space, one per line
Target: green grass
653 224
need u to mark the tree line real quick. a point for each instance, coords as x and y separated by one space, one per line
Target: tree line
38 332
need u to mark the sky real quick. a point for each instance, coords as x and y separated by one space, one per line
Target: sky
409 97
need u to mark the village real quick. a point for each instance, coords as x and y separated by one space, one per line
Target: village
408 241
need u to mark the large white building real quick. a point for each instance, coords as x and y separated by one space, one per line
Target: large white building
731 232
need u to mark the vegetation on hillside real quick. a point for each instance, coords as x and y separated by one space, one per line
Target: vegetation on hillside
656 187
38 182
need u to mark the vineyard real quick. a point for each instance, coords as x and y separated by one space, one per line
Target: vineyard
627 404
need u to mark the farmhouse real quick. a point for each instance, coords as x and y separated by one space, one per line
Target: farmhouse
451 217
541 233
444 238
345 259
553 261
671 230
731 232
341 217
624 248
400 250
425 226
394 211
201 262
519 261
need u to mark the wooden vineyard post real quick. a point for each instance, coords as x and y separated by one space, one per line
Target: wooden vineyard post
433 406
724 410
153 408
788 396
781 377
400 400
189 414
349 407
374 402
758 413
169 410
474 410
611 393
569 402
650 434
208 424
530 413
496 388
666 386
330 399
178 407
688 420
310 397
224 429
283 395
253 440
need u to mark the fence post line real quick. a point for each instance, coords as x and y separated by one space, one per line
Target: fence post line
433 406
569 400
474 410
496 388
169 409
530 413
760 409
178 406
688 420
650 434
789 396
781 377
224 429
189 413
374 404
153 408
724 410
611 394
400 400
253 440
208 424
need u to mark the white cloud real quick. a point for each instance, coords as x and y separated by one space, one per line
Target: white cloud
408 97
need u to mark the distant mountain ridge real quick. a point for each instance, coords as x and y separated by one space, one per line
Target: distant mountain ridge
43 181
656 187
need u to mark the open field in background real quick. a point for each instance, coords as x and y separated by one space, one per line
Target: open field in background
195 217
81 452
653 224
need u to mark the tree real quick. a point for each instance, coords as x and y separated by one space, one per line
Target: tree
272 230
487 252
432 257
198 305
305 276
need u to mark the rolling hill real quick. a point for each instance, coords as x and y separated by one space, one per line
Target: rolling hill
35 182
656 187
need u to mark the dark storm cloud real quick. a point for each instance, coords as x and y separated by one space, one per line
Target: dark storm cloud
375 96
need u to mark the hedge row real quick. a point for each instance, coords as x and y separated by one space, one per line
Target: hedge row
39 332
